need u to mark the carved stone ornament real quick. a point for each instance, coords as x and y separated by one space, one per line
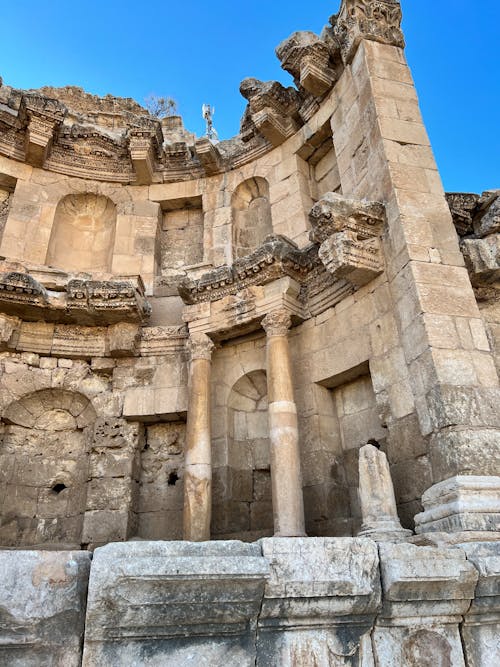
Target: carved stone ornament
200 346
209 156
463 206
348 232
307 58
273 109
277 322
145 141
378 20
79 301
42 116
275 258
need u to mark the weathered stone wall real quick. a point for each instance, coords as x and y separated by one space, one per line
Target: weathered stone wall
275 602
159 508
4 209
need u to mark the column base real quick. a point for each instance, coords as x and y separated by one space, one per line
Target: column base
385 531
459 504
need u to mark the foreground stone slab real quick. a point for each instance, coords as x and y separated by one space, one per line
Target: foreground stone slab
321 598
425 592
174 603
481 628
42 607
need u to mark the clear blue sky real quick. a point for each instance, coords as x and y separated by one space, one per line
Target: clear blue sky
199 52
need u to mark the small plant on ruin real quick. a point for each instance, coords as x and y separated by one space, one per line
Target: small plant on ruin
161 107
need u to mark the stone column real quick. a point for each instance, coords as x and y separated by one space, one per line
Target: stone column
198 455
376 497
288 503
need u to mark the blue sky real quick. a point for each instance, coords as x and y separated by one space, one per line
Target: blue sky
199 52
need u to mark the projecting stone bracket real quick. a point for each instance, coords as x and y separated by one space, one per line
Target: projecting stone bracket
41 116
273 109
144 146
348 233
307 58
209 156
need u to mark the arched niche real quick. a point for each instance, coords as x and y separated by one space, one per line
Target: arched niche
251 215
44 456
83 233
242 489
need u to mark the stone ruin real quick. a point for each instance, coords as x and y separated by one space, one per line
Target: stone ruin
249 390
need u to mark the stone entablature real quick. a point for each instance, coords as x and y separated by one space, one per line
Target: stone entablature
349 255
82 301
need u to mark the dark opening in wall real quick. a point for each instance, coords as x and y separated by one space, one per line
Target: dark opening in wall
57 488
173 478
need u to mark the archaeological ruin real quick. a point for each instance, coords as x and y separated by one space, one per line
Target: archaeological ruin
249 389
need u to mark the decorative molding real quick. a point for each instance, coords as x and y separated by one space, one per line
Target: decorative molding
79 301
275 258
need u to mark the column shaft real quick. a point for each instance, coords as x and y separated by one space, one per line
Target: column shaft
198 455
288 504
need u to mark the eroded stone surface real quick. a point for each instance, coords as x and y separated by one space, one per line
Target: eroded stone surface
42 602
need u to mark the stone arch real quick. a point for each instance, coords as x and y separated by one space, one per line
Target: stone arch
242 488
251 211
45 458
83 233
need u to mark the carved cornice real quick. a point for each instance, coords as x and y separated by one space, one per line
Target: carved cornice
200 346
277 257
41 116
273 109
277 322
209 156
378 20
463 207
307 58
82 301
348 232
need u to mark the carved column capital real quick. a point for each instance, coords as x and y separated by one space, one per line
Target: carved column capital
378 20
277 322
200 346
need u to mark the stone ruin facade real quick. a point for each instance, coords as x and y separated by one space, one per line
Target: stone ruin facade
248 390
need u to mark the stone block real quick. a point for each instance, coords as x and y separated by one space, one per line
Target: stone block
464 451
42 597
481 627
174 603
461 503
330 587
101 526
425 591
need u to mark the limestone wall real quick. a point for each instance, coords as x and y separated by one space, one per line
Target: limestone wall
124 237
275 602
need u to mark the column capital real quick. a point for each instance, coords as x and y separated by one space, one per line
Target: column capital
200 346
378 20
277 322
